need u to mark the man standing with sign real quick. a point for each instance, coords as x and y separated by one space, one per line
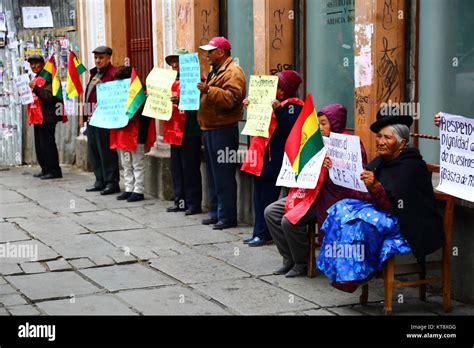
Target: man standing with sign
42 114
220 112
104 160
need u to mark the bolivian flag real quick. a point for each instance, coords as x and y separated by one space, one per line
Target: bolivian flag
50 74
304 151
136 95
74 70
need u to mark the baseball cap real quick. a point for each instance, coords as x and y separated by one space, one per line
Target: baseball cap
217 42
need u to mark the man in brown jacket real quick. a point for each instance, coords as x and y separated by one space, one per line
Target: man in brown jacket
219 114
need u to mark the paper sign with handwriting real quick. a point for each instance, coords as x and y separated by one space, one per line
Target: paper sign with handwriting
346 158
189 76
24 90
158 104
262 91
111 101
456 157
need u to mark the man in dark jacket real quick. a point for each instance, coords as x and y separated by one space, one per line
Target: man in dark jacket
104 160
42 114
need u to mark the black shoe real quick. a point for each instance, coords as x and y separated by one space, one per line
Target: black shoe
284 269
297 271
174 209
192 211
257 241
94 189
124 196
110 190
39 175
210 221
224 225
247 240
136 197
51 176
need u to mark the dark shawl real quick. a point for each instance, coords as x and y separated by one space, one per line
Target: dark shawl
408 184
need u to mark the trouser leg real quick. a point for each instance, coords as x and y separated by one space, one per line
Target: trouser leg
94 156
49 149
265 193
212 195
273 217
225 143
177 176
191 164
108 158
138 160
39 153
297 236
126 159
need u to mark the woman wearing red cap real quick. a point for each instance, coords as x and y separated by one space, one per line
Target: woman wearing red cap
269 151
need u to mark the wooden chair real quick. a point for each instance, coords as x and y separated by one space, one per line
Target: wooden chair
390 271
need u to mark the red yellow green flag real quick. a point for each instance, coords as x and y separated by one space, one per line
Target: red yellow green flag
74 70
50 74
304 150
136 95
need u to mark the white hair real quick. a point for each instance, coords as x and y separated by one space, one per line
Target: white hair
401 132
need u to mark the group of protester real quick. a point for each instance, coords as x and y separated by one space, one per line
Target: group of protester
397 214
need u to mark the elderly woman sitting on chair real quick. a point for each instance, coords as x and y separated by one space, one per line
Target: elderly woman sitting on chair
401 217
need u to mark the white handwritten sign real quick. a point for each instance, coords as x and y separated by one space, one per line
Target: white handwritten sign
456 156
262 91
24 90
307 178
346 158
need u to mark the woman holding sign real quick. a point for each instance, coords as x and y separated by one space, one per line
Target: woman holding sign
401 218
288 218
265 155
182 132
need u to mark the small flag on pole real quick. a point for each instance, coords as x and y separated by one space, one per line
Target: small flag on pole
74 70
50 74
304 151
136 95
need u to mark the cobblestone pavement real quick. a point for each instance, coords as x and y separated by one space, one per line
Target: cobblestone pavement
97 255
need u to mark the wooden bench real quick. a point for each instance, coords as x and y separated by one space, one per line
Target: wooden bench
390 270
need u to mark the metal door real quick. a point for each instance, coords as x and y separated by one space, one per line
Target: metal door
140 36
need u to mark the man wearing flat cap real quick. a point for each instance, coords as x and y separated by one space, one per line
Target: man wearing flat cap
219 115
104 160
42 114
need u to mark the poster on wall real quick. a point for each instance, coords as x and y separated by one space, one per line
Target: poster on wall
37 17
24 90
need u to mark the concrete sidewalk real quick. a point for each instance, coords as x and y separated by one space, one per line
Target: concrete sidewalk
100 256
